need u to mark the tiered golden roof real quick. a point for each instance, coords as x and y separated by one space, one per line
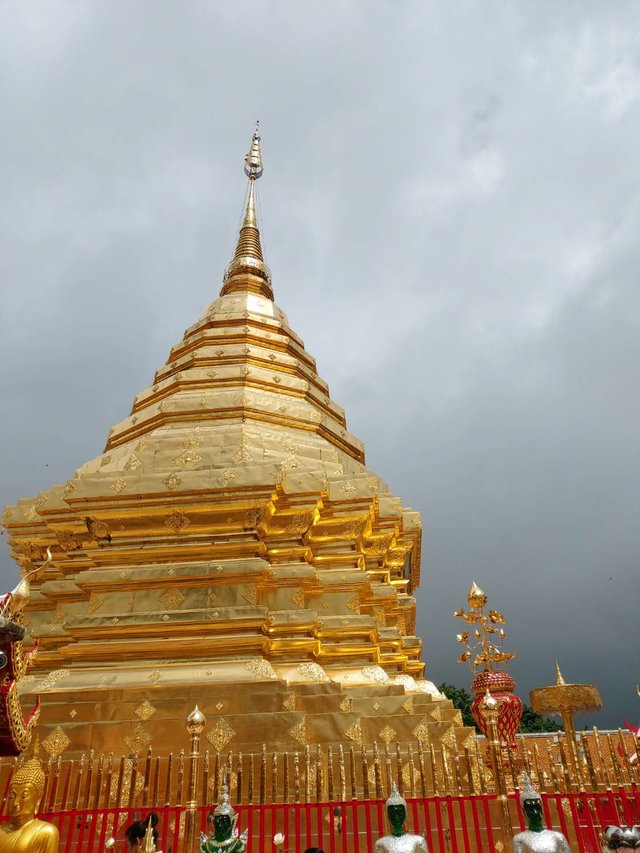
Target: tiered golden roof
229 547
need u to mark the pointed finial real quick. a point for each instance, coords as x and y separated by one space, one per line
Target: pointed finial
247 270
253 161
559 677
148 842
476 597
395 798
528 791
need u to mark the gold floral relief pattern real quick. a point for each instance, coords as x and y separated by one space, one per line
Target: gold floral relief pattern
226 478
354 732
188 458
312 671
407 705
421 731
171 598
139 739
449 738
375 673
59 616
346 705
299 731
379 615
250 595
242 454
56 742
354 604
172 481
289 703
145 710
95 602
132 463
220 734
126 783
118 485
290 462
387 734
177 521
32 511
52 678
262 668
298 598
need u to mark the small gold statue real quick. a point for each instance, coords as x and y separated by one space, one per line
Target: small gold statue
399 841
24 833
537 839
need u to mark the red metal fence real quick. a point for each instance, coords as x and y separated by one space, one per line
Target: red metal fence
454 824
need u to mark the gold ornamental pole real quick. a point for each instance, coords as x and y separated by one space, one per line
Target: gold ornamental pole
195 725
490 709
565 700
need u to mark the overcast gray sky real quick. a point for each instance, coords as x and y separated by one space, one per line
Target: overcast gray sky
451 207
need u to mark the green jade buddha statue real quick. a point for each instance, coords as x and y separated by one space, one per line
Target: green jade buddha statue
399 841
537 839
225 838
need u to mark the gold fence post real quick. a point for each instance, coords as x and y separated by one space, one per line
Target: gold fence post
195 726
490 709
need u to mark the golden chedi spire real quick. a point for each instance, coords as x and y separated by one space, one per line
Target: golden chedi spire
247 270
230 542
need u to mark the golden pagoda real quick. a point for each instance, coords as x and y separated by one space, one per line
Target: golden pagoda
231 548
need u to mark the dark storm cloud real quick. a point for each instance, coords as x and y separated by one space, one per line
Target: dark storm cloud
450 191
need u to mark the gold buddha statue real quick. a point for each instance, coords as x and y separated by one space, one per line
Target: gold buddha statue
399 841
24 833
537 839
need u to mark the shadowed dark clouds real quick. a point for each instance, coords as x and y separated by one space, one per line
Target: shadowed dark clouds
451 210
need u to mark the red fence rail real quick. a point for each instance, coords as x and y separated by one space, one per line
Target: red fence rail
451 824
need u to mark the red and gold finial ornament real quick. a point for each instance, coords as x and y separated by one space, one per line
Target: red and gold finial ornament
483 642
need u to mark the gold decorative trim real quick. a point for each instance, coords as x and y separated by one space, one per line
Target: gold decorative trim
172 481
262 668
387 734
299 731
312 671
118 485
145 710
56 743
171 598
220 734
354 732
177 521
139 739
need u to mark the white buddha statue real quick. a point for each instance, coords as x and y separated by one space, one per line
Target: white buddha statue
537 839
399 841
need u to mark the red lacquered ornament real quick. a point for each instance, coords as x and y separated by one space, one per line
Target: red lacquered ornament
501 687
